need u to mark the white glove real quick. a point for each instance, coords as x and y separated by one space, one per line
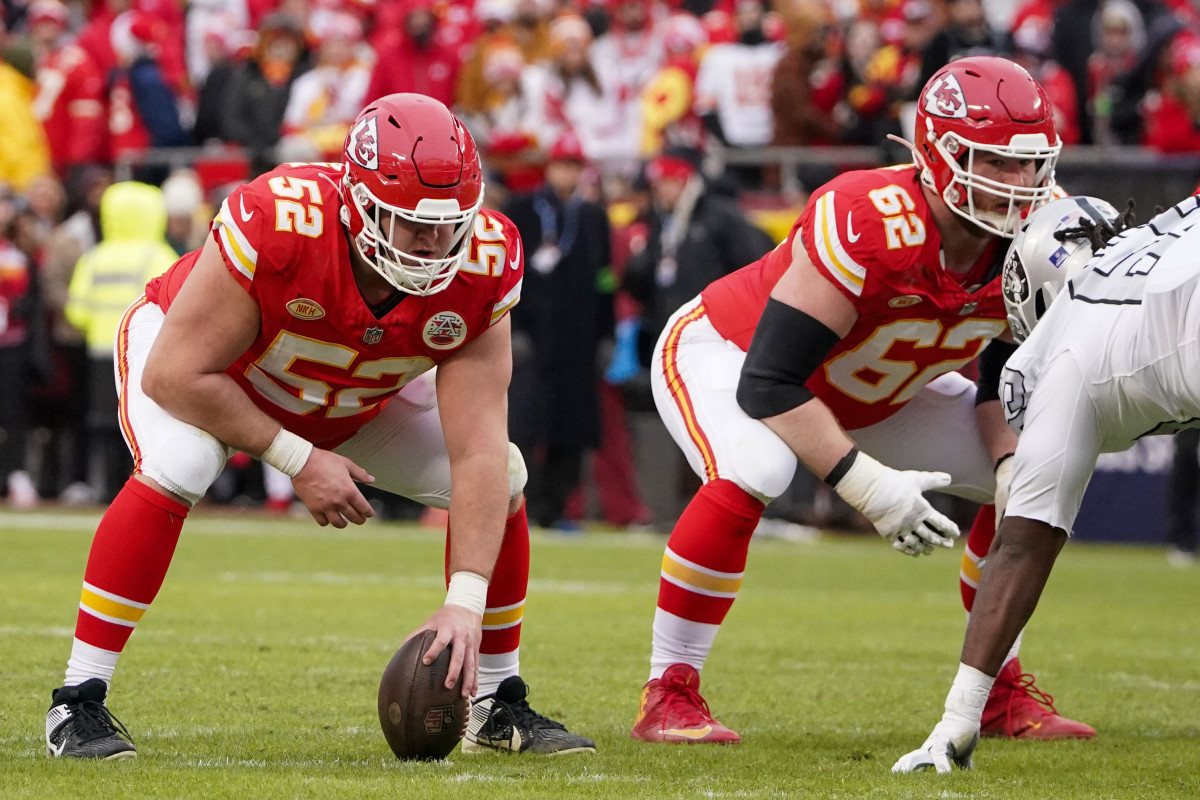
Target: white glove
1004 472
952 742
954 738
893 501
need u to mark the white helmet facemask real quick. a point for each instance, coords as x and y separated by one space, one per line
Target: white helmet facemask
1033 146
405 271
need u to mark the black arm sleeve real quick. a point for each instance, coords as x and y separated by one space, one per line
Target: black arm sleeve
991 362
787 348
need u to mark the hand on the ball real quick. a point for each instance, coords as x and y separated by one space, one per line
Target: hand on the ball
461 630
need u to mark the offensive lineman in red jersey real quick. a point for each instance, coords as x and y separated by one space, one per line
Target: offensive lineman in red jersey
846 337
298 334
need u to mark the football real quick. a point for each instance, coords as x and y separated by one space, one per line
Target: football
422 720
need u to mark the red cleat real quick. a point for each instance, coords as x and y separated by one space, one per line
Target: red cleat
673 711
1016 709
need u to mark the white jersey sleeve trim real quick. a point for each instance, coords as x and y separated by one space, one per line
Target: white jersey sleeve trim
508 301
831 250
244 257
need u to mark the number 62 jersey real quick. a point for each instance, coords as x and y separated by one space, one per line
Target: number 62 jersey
323 363
872 234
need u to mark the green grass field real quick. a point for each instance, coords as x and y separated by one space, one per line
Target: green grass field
254 674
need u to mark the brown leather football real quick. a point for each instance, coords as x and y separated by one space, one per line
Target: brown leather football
422 720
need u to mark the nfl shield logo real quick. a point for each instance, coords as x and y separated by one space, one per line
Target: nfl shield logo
373 335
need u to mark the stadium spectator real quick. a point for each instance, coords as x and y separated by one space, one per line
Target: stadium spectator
222 48
806 86
1171 112
627 57
143 109
566 93
1031 49
24 154
966 33
108 278
1119 44
71 92
17 307
209 31
259 90
1112 360
1075 39
205 356
695 235
327 98
528 32
96 36
565 312
897 66
668 108
504 105
187 213
415 58
63 408
865 114
876 257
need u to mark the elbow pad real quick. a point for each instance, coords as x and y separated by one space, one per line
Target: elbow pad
787 348
991 364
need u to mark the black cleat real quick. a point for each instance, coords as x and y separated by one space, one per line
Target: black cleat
78 725
504 721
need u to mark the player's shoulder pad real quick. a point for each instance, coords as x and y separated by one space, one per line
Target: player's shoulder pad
842 225
304 196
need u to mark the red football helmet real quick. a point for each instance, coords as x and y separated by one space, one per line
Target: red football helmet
407 156
985 105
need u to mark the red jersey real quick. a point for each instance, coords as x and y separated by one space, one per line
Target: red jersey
323 363
872 235
70 105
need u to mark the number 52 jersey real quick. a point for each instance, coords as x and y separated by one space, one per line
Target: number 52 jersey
324 363
872 234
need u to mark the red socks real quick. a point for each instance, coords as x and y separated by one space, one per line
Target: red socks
128 561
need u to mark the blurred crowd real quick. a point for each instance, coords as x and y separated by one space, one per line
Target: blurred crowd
593 117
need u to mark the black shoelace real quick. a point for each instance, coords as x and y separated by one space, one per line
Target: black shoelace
523 715
92 720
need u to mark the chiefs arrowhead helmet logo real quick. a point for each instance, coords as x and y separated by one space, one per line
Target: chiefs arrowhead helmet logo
364 143
945 98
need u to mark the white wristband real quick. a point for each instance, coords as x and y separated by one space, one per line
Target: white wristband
288 453
968 695
468 590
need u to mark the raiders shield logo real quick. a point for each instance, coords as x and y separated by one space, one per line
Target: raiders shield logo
1013 282
364 143
945 98
373 335
445 330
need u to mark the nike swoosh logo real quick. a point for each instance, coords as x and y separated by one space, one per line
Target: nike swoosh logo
515 261
850 234
690 733
245 217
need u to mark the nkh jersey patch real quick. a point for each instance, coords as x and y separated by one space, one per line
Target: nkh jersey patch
945 98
